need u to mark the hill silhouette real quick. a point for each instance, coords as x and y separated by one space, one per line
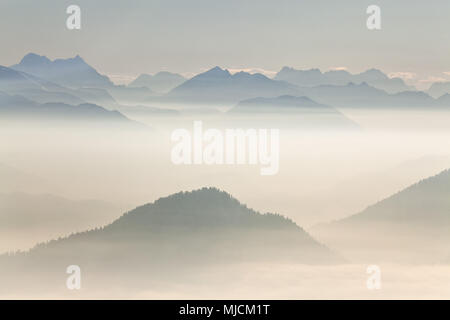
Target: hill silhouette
184 231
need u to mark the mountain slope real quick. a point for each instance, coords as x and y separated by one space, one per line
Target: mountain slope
19 83
412 225
19 108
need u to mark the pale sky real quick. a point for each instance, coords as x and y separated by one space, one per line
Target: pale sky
125 38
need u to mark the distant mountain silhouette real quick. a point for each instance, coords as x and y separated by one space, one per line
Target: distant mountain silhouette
75 77
364 95
439 89
289 112
19 83
314 77
284 103
20 108
72 72
73 81
410 226
220 86
184 232
42 91
161 82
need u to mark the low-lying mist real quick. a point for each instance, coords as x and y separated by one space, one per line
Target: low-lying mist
325 174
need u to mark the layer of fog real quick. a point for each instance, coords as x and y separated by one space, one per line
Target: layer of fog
272 281
323 175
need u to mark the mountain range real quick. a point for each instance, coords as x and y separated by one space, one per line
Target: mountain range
314 77
219 86
74 82
194 225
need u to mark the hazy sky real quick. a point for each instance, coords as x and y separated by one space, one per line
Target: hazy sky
126 38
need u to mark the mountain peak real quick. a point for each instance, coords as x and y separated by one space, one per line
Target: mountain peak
191 210
78 58
373 74
286 68
211 195
217 71
33 58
